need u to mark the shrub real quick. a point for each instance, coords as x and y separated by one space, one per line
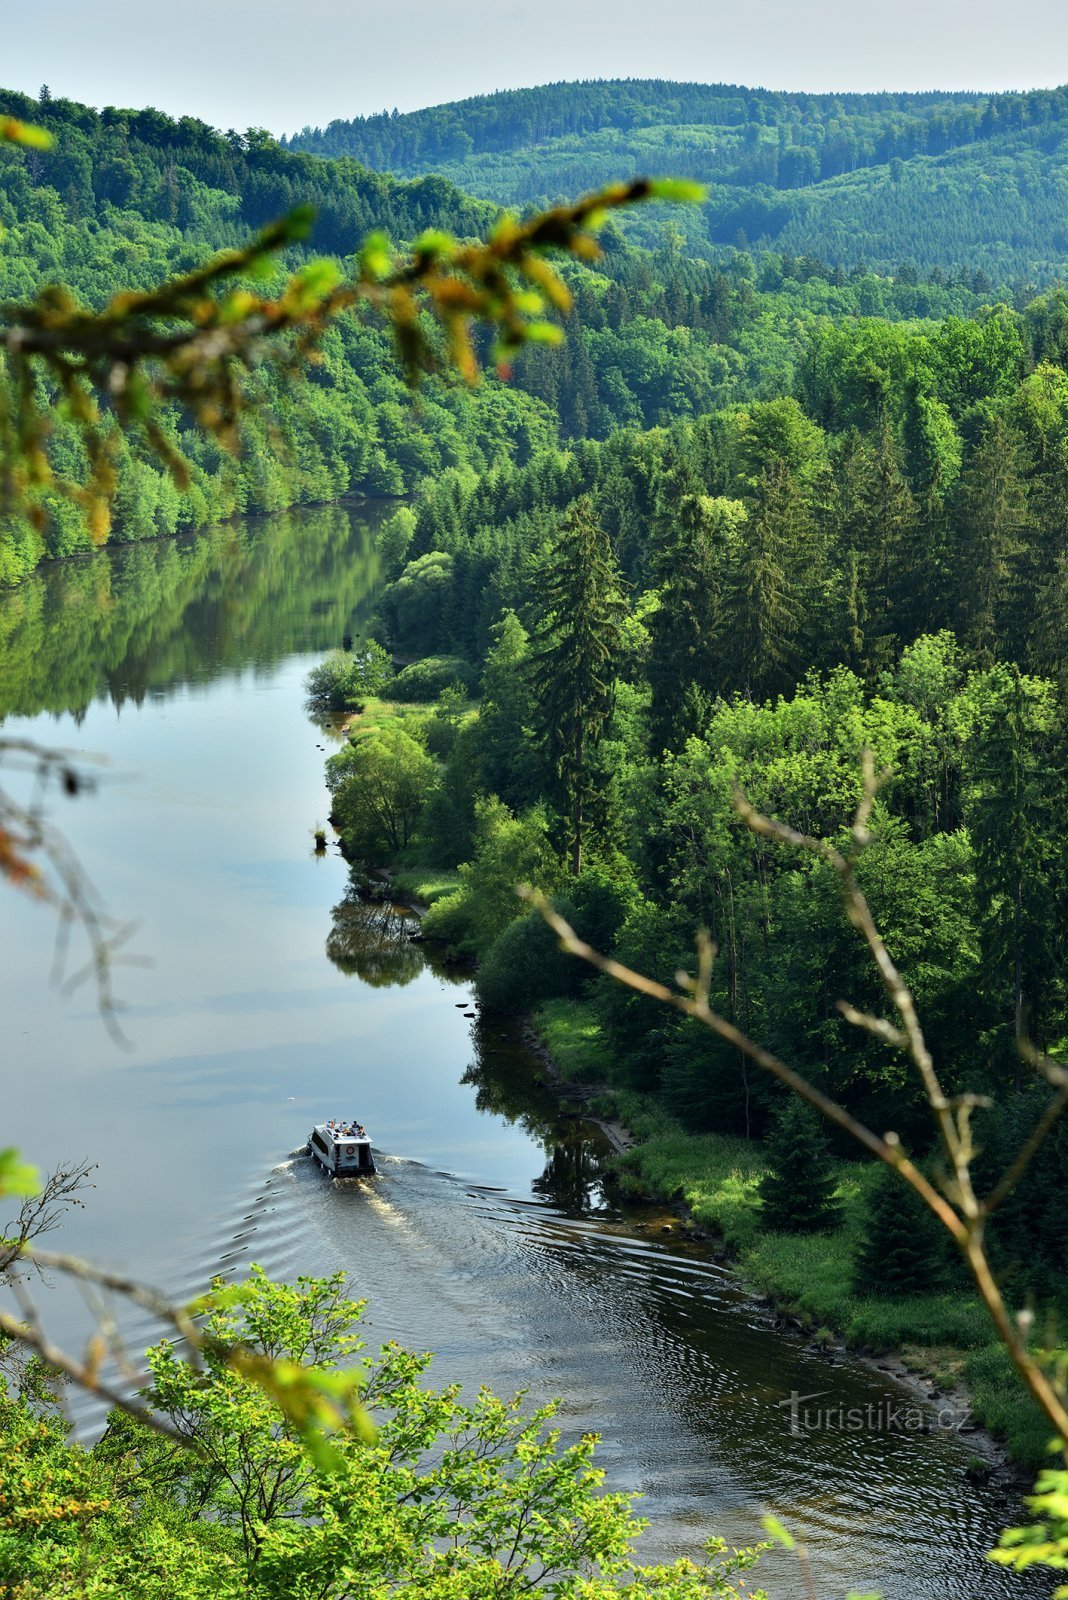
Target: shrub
340 679
525 965
426 679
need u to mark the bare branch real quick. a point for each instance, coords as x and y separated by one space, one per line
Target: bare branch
887 1149
36 857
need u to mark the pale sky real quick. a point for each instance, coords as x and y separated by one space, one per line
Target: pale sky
279 65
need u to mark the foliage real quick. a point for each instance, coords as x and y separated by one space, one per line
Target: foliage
900 1253
432 676
509 850
446 1498
797 1193
576 646
342 679
379 784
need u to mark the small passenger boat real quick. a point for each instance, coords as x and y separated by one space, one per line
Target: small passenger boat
343 1149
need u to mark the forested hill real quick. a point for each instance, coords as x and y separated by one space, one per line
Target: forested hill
126 197
937 179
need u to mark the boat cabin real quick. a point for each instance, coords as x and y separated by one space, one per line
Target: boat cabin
343 1149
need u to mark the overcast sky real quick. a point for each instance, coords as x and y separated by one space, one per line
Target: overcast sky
279 64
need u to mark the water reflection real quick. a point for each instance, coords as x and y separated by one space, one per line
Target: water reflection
508 1084
370 939
137 619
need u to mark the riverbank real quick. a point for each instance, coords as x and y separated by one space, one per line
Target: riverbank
940 1340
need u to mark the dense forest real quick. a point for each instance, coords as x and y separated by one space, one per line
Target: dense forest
127 197
934 181
874 560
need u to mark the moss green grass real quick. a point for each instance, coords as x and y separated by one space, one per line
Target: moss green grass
426 884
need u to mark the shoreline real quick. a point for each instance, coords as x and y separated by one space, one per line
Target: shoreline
992 1461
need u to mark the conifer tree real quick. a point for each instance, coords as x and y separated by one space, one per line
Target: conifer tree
763 604
901 1249
993 514
686 629
1013 804
878 516
797 1191
577 641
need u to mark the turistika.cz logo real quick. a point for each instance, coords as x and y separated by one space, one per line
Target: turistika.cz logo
879 1416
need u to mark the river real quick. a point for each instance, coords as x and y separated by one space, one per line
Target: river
272 996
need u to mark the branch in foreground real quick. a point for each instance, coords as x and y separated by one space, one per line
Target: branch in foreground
190 342
315 1403
36 857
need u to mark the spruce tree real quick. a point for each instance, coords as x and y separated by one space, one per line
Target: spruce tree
901 1249
576 643
686 629
879 521
1014 800
764 601
993 525
797 1191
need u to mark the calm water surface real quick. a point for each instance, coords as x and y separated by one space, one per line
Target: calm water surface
275 996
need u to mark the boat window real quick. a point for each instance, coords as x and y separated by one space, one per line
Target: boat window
319 1143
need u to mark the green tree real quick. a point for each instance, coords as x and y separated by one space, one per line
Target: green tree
1013 799
380 783
901 1249
577 639
797 1193
992 515
686 627
764 609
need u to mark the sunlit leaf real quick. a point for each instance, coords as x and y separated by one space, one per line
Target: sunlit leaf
780 1534
679 190
24 133
16 1175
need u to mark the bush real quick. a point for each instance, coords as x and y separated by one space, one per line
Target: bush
450 920
426 679
341 680
525 965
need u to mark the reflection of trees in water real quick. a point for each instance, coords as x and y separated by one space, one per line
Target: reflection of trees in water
506 1085
142 618
369 940
573 1179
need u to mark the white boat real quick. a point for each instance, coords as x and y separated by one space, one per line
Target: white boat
343 1149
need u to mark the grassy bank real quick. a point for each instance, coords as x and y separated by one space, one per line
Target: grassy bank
425 884
945 1335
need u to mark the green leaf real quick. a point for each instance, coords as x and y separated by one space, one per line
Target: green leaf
781 1535
315 281
298 223
375 258
16 1175
543 333
680 190
24 133
433 242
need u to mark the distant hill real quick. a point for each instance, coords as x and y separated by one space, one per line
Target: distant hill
936 179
